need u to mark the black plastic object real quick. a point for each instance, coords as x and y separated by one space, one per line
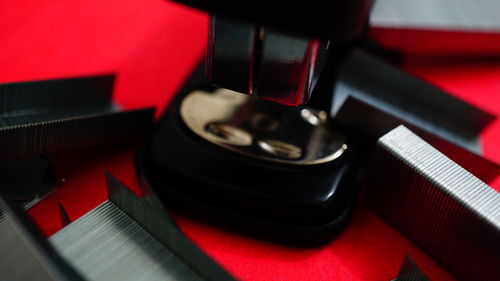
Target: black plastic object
291 204
334 19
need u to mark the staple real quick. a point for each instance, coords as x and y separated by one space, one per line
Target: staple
375 97
447 211
55 115
26 254
124 238
409 271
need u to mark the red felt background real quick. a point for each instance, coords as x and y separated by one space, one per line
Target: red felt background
152 45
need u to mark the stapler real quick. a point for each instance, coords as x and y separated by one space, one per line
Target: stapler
265 163
285 160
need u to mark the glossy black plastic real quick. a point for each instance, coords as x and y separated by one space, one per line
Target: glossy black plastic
339 20
287 203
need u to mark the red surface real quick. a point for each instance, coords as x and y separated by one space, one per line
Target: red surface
436 44
152 45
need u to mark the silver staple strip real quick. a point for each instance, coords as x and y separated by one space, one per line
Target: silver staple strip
477 15
21 262
375 97
125 238
132 238
445 209
106 244
74 132
26 255
54 115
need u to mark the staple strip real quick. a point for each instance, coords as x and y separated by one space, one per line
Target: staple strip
388 97
106 244
449 212
56 135
48 116
26 255
133 238
409 271
125 238
36 97
19 262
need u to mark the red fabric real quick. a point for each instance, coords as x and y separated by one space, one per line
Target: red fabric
152 45
435 43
